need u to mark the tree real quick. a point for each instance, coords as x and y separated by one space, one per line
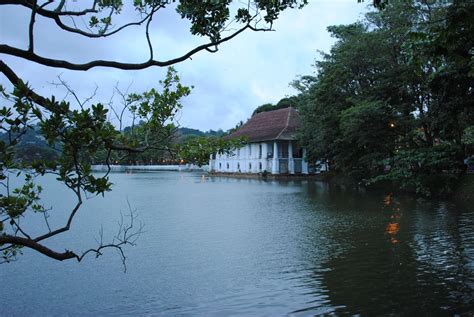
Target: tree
198 150
77 132
286 102
392 100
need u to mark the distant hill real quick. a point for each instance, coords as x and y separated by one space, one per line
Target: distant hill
33 146
185 133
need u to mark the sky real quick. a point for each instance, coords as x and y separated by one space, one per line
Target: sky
252 69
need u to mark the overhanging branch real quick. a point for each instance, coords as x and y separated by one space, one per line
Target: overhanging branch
29 243
57 63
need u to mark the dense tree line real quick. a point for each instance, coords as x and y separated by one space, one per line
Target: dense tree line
393 99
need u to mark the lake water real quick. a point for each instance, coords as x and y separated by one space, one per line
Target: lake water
223 246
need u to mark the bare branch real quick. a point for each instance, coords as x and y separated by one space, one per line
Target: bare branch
147 34
125 236
31 27
17 225
66 227
73 93
60 6
125 104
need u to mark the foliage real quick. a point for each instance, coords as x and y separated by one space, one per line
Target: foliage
424 170
199 150
237 126
393 99
468 135
292 101
77 135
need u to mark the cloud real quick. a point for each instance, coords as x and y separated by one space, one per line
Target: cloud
250 70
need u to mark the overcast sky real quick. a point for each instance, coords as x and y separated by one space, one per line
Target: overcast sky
250 70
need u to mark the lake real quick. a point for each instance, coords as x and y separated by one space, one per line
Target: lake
224 246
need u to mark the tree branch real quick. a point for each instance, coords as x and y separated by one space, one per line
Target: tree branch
31 27
56 16
9 50
66 227
50 14
16 81
125 236
32 244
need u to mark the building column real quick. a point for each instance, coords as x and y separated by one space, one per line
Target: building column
250 164
275 161
291 161
304 163
264 156
211 163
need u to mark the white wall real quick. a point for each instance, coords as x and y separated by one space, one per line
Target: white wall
246 160
243 160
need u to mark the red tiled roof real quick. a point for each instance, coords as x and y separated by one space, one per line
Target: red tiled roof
280 124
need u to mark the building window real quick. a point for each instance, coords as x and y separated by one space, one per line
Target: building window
238 167
283 150
250 150
259 151
260 166
227 165
238 152
250 167
220 165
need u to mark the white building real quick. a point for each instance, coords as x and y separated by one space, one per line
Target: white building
272 146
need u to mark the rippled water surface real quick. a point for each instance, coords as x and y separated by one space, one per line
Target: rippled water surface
221 246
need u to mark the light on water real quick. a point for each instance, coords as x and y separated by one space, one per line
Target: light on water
223 246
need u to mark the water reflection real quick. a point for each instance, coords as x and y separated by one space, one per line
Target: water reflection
425 267
393 226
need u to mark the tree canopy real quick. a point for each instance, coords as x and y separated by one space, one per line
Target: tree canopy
286 102
393 99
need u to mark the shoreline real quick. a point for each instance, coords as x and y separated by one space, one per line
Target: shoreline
261 176
462 193
150 168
